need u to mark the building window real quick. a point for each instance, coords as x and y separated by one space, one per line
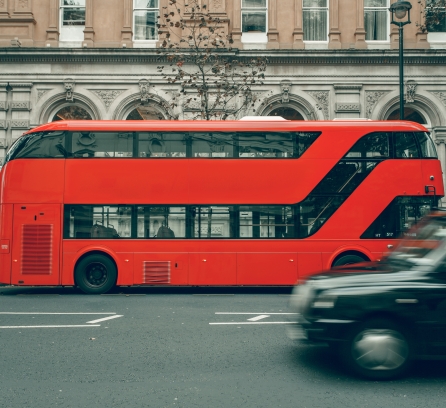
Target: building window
436 21
375 20
254 20
145 20
435 17
315 20
72 21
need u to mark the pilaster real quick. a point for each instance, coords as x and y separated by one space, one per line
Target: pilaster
3 118
298 32
334 35
52 32
347 100
89 31
273 34
20 106
126 31
237 24
360 30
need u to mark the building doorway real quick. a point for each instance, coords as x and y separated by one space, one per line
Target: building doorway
409 114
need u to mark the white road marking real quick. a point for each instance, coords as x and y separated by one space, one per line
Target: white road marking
44 313
255 323
254 319
40 327
105 318
243 313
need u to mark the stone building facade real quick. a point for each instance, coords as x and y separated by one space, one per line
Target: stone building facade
327 59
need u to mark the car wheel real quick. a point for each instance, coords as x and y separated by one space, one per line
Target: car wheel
95 274
348 259
378 349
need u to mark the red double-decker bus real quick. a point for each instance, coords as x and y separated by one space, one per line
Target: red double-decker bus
265 202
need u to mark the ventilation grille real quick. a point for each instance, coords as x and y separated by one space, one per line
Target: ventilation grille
37 242
155 272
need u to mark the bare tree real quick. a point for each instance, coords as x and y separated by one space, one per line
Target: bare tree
433 13
211 81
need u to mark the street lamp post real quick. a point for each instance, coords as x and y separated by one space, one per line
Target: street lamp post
399 10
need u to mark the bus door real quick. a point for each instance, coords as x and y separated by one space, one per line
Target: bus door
36 243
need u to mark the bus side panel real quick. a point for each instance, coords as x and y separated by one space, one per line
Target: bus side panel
432 176
266 268
213 268
34 181
6 242
161 268
308 263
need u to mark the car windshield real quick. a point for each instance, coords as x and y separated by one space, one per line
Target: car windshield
423 245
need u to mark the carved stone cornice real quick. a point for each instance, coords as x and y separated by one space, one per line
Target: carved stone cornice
275 57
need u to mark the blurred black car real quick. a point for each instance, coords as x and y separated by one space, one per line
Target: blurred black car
380 316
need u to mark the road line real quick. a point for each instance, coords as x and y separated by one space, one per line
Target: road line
44 313
254 319
47 327
243 313
256 323
105 318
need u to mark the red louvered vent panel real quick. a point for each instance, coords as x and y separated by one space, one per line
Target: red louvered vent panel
37 243
156 272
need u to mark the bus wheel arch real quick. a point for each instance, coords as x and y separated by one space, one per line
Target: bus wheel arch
349 257
95 272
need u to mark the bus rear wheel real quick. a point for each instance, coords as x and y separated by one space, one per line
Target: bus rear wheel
95 274
348 259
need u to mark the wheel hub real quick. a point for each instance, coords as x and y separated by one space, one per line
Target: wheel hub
378 349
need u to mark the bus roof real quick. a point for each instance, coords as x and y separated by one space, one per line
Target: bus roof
222 126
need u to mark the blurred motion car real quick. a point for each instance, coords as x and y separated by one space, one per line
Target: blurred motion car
379 317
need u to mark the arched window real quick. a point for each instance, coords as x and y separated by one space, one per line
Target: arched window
145 113
409 114
287 113
72 113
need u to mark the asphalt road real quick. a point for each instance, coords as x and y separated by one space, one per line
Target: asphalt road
162 348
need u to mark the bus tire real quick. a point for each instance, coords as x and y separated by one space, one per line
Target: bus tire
378 349
95 274
348 259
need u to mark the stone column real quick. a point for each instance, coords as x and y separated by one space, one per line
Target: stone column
217 9
334 36
126 32
22 15
89 31
360 30
3 121
298 32
273 34
20 108
237 24
52 33
162 32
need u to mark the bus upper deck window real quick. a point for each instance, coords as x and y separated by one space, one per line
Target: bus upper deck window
426 145
405 145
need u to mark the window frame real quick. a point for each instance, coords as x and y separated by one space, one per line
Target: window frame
144 43
436 36
317 42
66 32
254 37
387 34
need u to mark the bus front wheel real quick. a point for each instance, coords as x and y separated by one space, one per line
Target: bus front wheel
95 274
